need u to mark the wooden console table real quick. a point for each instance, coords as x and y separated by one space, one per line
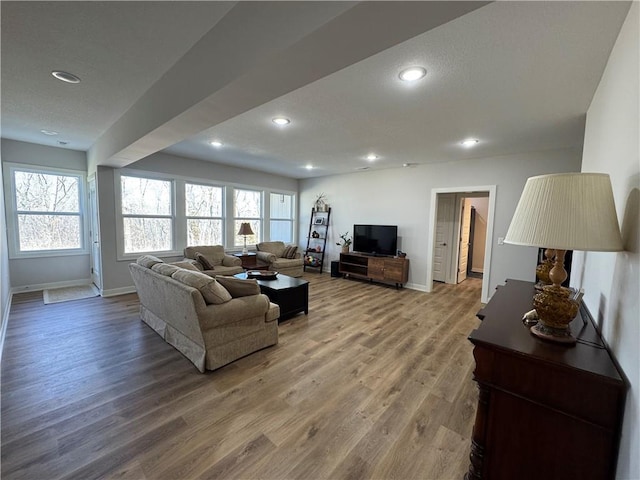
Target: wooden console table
545 410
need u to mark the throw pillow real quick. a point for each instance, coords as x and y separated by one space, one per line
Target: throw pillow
290 251
148 261
203 261
165 269
186 265
211 290
238 287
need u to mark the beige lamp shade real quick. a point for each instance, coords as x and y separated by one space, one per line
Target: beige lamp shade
245 229
567 211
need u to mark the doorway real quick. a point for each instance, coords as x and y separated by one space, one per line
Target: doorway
459 246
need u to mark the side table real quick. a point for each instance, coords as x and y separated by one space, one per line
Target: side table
250 261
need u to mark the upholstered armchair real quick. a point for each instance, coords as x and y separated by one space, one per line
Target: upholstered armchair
212 260
281 258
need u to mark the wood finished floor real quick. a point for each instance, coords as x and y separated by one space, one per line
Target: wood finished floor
375 383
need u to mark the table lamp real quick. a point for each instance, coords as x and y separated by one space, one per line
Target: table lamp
245 229
566 211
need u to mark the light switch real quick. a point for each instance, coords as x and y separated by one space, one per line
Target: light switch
500 240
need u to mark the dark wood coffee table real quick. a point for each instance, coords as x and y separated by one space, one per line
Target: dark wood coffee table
290 294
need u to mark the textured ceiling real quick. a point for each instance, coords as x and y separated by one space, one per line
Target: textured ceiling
519 76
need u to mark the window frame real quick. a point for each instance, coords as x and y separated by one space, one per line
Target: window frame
180 234
260 218
292 220
222 218
120 240
13 232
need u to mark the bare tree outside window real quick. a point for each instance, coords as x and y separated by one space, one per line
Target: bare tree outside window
247 207
147 212
204 214
48 211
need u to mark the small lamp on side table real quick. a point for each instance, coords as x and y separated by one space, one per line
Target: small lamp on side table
245 229
567 211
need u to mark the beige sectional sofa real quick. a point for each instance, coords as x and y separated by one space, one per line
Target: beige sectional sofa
213 260
210 321
273 254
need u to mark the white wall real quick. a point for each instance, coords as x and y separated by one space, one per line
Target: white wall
38 273
612 281
115 273
402 197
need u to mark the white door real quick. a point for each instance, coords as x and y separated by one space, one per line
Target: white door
94 235
444 230
463 250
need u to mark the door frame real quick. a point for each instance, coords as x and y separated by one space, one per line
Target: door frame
94 225
433 209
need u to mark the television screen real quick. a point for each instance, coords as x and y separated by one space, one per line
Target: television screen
375 239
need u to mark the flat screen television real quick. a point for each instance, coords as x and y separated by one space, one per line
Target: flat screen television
375 239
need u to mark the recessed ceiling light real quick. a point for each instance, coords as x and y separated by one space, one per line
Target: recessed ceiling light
281 121
215 143
65 76
49 132
371 157
412 74
309 167
469 142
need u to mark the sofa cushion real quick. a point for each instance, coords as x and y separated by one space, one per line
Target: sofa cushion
277 248
206 265
165 269
238 287
290 251
186 265
211 290
148 261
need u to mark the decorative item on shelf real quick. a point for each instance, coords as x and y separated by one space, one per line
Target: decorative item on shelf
315 234
401 254
345 242
320 203
566 211
542 270
318 221
318 249
245 229
311 261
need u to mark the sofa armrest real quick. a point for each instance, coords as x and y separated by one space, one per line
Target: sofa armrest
231 261
266 257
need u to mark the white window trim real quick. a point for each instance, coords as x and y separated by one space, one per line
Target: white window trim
294 209
121 255
13 239
222 218
263 193
179 212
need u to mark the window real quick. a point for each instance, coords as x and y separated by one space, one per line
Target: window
147 214
204 210
48 211
281 217
247 207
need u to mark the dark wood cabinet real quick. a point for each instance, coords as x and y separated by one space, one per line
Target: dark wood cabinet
545 410
381 269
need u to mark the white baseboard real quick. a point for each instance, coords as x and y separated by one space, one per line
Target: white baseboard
113 292
416 286
5 321
477 270
45 286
